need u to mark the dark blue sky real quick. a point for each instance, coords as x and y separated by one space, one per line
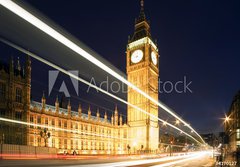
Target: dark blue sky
199 39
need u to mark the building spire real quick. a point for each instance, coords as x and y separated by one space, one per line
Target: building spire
142 5
142 27
142 16
18 65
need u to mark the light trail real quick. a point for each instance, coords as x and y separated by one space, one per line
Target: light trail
182 160
176 159
59 129
13 7
91 85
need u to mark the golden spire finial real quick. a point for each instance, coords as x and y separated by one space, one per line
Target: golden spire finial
142 4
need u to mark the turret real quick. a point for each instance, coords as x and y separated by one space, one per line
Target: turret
28 69
43 102
112 120
69 108
120 120
98 115
18 65
57 105
105 117
28 79
89 113
116 116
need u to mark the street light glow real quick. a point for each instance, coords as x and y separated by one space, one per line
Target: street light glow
226 119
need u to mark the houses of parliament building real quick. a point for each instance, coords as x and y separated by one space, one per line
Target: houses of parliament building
85 133
68 130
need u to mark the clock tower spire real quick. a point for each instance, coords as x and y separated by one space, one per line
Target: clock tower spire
142 71
142 27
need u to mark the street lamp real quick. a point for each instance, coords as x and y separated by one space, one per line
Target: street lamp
45 135
177 122
227 119
134 146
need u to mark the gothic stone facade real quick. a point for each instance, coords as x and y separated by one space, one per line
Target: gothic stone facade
69 130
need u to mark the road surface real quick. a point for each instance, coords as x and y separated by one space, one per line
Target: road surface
200 159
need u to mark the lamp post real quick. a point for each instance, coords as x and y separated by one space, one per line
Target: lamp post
226 121
134 146
45 135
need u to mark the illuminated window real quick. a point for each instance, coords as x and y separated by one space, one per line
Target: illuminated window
53 122
18 95
46 121
53 142
31 120
39 120
72 144
125 134
65 143
39 141
81 145
59 123
76 144
65 124
31 139
238 133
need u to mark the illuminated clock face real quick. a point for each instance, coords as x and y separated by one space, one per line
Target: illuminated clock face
137 56
154 58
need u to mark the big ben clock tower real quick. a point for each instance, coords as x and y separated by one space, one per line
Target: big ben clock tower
142 71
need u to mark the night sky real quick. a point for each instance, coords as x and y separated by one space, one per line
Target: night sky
199 39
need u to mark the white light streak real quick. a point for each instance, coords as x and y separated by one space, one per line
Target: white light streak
10 5
191 157
56 128
91 85
187 157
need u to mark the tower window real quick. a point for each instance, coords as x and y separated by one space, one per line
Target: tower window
18 95
18 115
2 91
